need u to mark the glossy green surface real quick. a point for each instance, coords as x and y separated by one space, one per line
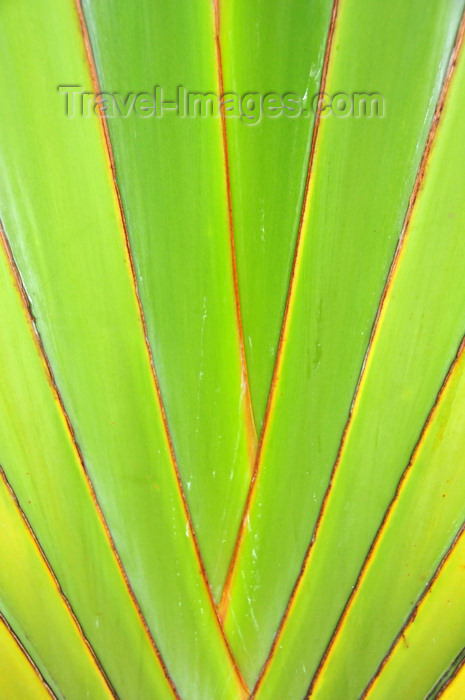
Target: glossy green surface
171 174
416 543
397 391
350 232
43 468
60 214
269 47
432 640
127 423
35 610
18 677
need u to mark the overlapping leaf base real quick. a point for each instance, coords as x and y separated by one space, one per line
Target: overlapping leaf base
232 366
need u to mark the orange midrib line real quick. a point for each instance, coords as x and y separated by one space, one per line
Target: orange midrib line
419 605
225 600
37 546
388 516
31 663
77 450
133 277
251 431
393 269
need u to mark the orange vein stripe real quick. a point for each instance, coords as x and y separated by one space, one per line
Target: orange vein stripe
413 198
245 386
387 517
452 678
279 354
26 655
55 582
415 611
392 271
109 151
37 339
